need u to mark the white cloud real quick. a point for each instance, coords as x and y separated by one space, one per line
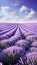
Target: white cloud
4 11
5 8
15 3
23 9
31 15
8 16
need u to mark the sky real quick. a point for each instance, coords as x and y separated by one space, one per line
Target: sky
18 11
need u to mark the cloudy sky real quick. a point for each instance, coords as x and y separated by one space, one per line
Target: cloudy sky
18 11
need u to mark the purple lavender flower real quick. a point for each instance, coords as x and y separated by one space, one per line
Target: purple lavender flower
9 42
33 49
31 57
11 54
31 38
34 44
23 43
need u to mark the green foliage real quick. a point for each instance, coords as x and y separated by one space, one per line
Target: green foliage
35 61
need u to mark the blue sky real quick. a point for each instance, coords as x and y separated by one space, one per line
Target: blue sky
18 11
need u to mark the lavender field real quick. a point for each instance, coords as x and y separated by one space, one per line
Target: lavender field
18 44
